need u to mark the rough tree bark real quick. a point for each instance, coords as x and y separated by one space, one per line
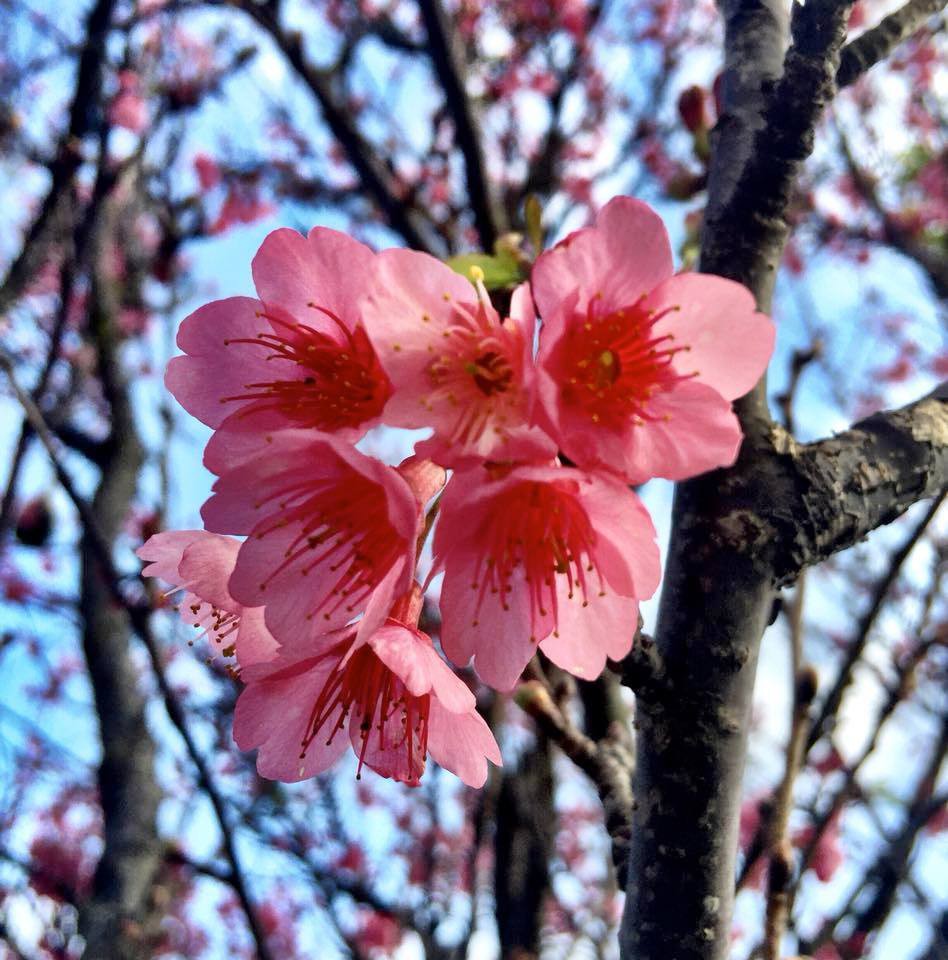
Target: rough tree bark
114 919
523 844
739 533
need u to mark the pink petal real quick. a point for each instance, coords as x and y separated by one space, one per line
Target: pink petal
456 367
423 476
254 643
215 365
273 713
410 304
702 433
163 551
497 614
524 316
730 343
327 268
462 743
410 655
498 639
624 256
586 636
242 436
626 551
402 651
387 750
381 601
206 566
278 499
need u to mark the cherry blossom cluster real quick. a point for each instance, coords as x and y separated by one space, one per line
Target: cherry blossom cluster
524 480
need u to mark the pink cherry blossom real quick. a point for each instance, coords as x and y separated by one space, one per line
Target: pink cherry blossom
326 527
207 170
828 854
298 356
392 697
456 366
541 555
128 108
637 367
201 563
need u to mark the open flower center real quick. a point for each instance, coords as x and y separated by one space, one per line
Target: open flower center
542 531
475 369
615 363
385 718
343 384
491 373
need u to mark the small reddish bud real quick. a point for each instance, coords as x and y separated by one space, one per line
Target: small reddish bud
692 108
35 523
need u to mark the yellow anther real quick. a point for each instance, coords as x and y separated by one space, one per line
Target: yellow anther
477 274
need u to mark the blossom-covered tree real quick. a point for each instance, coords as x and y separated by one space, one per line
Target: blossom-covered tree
401 699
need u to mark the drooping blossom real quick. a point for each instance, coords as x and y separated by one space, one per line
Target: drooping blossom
200 564
326 528
456 366
637 366
542 556
298 356
389 695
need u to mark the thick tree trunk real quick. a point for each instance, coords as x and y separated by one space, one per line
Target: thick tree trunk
115 918
722 564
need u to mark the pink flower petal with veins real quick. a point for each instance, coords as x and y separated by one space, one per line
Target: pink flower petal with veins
541 556
299 356
325 525
392 698
636 367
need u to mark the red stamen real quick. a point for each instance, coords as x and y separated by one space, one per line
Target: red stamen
343 383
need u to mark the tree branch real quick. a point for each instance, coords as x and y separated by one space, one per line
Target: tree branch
82 120
831 702
608 763
363 156
719 581
138 615
876 44
866 477
448 63
113 918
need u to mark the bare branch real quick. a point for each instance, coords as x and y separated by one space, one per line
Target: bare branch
448 63
854 650
781 853
876 44
864 478
607 763
82 119
373 174
138 617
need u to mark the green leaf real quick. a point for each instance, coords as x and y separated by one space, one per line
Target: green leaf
501 270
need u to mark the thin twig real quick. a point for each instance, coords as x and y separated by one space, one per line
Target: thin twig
781 852
448 63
